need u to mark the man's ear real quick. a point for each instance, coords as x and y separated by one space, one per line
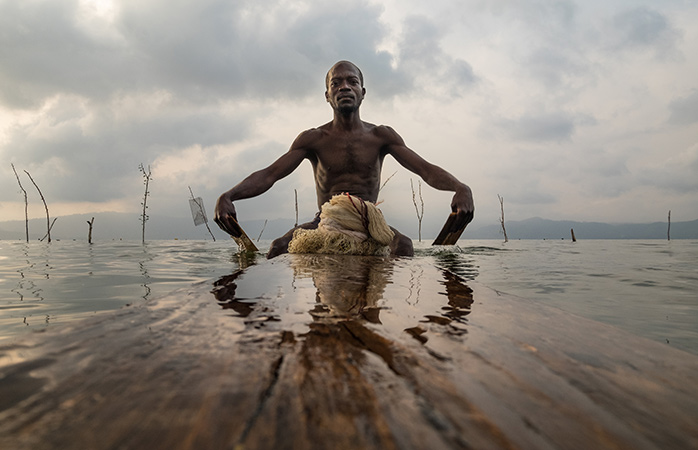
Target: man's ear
327 97
363 92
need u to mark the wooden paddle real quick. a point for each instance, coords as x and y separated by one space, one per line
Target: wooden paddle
243 241
447 237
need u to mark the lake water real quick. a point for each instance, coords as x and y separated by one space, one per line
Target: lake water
649 288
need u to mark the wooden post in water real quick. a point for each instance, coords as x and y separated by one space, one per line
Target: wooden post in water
668 230
295 194
89 233
504 230
574 239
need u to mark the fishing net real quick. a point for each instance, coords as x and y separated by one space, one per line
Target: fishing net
348 226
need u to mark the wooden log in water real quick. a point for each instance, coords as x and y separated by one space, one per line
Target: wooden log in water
447 236
243 241
321 352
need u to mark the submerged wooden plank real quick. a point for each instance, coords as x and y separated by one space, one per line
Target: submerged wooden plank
348 352
447 236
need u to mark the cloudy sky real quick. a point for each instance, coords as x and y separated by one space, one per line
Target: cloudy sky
580 110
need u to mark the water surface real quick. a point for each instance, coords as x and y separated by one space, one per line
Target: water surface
649 288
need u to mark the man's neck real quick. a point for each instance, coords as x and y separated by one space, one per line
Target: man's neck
347 122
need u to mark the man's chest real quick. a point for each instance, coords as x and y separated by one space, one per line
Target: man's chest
347 154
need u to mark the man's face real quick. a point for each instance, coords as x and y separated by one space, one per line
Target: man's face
344 90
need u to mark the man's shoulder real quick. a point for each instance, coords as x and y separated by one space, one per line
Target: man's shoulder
308 137
383 129
387 134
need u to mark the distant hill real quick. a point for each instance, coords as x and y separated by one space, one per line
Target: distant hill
109 226
537 228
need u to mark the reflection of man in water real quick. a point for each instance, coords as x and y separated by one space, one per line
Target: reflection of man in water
347 156
347 286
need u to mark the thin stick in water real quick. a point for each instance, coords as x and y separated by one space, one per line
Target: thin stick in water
48 219
265 225
420 213
48 233
504 230
89 233
295 193
26 203
146 180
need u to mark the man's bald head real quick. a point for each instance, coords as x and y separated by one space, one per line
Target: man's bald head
343 63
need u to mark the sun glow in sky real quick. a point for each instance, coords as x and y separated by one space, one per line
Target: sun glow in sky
567 109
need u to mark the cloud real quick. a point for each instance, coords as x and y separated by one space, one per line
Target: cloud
684 111
199 51
97 147
45 52
676 174
543 102
421 54
643 29
538 127
199 75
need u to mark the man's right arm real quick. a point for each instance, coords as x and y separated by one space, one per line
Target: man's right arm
257 183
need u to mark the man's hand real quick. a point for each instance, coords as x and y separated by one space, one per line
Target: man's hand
226 217
464 207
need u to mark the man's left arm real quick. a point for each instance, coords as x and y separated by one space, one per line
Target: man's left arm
462 204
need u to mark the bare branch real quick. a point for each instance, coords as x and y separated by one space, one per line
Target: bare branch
504 230
48 220
386 181
89 233
146 180
260 233
295 193
420 213
48 233
26 203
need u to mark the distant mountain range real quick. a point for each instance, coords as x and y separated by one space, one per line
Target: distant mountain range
537 228
109 226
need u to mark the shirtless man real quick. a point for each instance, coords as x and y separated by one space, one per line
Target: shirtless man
347 156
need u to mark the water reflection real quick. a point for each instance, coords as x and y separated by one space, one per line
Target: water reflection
143 263
347 286
403 296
